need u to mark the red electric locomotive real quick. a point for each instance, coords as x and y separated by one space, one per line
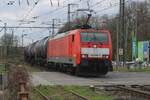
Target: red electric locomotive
81 51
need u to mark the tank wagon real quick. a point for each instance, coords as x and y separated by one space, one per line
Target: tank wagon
28 53
80 51
36 53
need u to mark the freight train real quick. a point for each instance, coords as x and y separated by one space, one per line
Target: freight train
79 51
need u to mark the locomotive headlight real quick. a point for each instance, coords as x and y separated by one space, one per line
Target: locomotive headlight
105 56
94 46
84 55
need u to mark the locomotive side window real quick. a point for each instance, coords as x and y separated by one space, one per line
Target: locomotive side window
94 37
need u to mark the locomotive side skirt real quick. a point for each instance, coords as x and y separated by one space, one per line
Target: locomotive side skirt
64 60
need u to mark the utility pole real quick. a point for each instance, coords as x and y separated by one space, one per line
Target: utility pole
136 27
6 44
126 37
5 57
53 27
149 53
23 39
69 16
119 29
5 31
117 25
122 25
123 30
49 32
12 40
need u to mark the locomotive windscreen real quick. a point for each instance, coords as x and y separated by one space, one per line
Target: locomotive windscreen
94 37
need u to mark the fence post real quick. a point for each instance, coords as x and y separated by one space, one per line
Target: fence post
23 95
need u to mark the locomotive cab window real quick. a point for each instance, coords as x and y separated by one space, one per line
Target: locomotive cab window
94 37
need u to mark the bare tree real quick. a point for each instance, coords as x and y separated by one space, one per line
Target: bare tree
8 40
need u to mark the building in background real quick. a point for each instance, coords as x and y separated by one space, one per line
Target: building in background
143 50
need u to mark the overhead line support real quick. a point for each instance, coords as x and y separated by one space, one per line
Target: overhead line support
69 12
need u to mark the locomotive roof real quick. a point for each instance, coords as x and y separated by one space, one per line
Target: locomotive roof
61 35
73 32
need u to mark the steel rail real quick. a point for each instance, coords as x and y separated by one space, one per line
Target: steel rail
138 92
135 90
78 95
72 92
44 97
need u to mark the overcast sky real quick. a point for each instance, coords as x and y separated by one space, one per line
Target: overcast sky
14 13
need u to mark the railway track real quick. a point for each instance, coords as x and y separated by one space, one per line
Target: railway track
69 95
132 92
123 92
135 92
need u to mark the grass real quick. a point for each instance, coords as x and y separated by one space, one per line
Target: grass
33 68
62 93
2 68
35 96
147 69
133 69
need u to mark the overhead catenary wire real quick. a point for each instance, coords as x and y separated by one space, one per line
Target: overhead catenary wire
29 12
57 9
97 3
54 9
38 32
51 12
66 6
25 16
62 7
107 8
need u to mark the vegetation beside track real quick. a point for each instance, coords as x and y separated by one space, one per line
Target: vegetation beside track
2 68
132 69
35 68
146 69
63 92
